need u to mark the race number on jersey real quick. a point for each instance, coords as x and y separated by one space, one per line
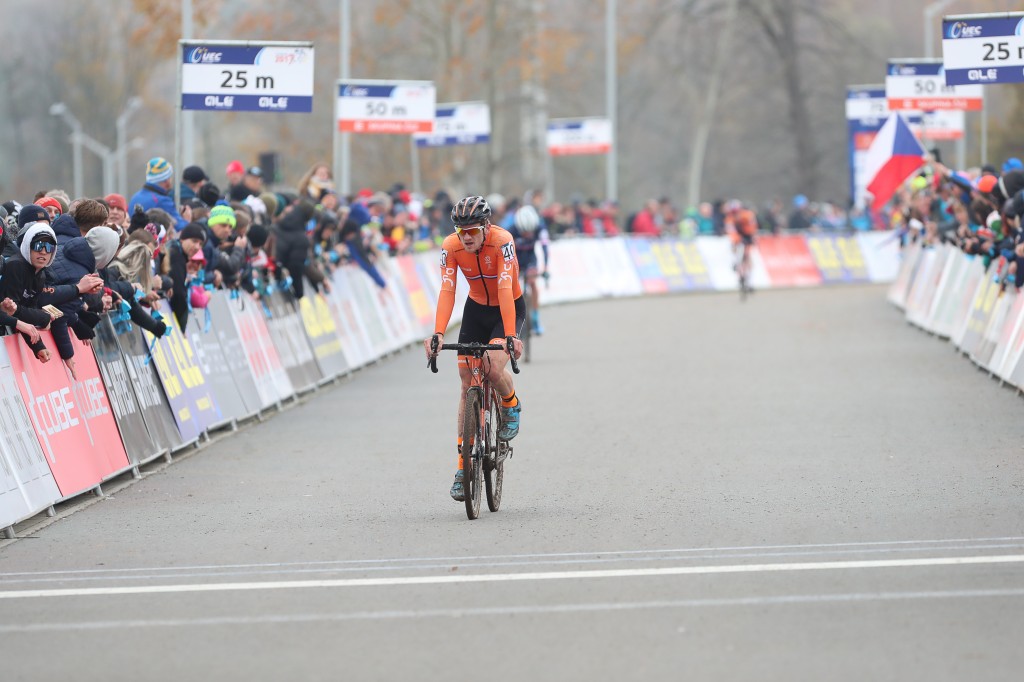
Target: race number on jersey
508 250
444 258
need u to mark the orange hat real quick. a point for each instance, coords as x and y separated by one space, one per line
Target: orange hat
986 183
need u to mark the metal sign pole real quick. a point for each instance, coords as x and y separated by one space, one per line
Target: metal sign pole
177 127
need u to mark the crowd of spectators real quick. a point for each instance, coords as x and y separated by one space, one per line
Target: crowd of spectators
67 261
978 211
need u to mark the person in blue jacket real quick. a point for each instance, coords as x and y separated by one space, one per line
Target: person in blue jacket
158 192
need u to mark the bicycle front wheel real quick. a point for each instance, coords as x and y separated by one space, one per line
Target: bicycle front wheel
472 451
494 469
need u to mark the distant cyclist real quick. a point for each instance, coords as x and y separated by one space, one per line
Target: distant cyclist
494 312
741 226
528 230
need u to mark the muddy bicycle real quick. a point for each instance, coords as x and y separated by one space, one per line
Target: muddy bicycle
483 455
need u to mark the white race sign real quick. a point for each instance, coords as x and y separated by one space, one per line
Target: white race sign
402 107
579 136
983 48
247 76
458 123
920 84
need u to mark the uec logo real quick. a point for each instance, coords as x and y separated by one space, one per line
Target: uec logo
203 55
962 29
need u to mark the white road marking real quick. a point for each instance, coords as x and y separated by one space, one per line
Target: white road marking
883 545
340 567
545 609
514 577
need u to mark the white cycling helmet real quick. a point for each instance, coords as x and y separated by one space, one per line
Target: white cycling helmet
527 219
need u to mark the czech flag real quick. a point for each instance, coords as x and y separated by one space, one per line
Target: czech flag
893 156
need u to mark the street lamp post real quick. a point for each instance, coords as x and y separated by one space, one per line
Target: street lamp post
122 146
61 109
930 13
106 156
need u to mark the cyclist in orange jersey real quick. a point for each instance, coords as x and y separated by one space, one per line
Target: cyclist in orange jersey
494 312
741 225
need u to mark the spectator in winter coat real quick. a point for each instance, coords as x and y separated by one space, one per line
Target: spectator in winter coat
291 243
644 224
192 179
75 259
23 287
174 262
157 192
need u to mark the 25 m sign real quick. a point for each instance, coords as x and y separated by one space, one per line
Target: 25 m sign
243 76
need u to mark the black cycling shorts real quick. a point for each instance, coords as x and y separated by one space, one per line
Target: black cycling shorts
747 239
481 323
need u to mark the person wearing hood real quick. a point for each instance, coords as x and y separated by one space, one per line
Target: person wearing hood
28 215
24 289
291 243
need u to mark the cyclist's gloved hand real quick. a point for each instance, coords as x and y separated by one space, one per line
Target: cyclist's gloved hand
427 344
517 346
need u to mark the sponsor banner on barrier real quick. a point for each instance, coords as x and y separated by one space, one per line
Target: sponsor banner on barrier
72 418
396 308
647 266
149 392
788 261
612 267
905 275
213 363
881 252
419 303
234 352
26 483
839 258
127 411
1005 332
357 287
289 338
946 269
957 272
681 264
965 305
188 394
354 342
919 298
986 347
323 334
570 275
272 383
1013 364
981 310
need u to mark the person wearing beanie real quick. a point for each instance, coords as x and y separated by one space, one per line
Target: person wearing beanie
192 180
174 264
291 244
156 192
209 194
24 285
270 201
52 207
117 211
26 215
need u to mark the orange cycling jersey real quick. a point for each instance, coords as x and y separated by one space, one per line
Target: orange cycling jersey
492 273
745 223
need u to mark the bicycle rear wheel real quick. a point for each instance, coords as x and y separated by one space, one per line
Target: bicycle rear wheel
472 450
494 468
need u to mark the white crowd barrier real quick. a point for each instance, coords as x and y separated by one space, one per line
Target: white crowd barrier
138 398
950 294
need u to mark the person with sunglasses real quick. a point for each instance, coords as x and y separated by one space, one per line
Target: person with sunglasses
494 312
24 289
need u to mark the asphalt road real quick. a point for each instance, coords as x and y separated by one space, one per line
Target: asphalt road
799 487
